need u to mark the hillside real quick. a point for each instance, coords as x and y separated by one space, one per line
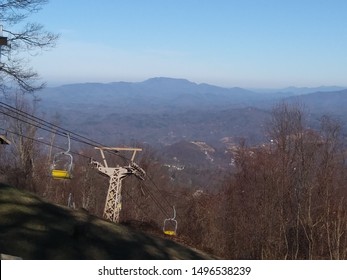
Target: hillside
332 103
153 95
32 228
164 111
157 111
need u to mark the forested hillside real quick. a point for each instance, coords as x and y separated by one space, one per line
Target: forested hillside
236 173
281 199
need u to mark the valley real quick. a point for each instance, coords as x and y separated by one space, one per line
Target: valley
170 114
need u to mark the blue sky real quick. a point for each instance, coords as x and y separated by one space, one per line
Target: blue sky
246 43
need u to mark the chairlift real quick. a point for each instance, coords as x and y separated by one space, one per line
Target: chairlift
62 164
170 225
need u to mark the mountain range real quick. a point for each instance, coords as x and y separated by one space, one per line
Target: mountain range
166 111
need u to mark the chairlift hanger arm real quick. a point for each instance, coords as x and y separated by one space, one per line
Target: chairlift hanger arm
63 172
69 143
170 224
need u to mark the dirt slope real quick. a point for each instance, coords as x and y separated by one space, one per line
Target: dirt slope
32 228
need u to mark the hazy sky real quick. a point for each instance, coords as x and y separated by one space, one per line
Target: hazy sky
246 43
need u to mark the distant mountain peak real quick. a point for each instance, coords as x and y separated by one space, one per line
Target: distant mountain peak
307 90
157 80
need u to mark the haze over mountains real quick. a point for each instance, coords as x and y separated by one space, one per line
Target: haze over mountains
165 111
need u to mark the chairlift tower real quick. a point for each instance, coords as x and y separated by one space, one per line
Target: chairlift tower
113 204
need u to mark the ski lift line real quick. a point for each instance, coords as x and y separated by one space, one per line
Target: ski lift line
53 130
116 150
170 224
155 200
167 232
62 132
43 142
137 205
32 117
35 125
164 198
51 127
75 153
159 191
25 115
146 214
40 125
156 186
44 125
161 208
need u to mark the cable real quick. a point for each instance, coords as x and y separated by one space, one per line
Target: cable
37 126
137 205
155 200
167 202
152 196
42 123
46 123
43 142
57 130
52 128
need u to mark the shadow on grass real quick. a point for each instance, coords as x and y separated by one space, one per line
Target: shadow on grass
34 229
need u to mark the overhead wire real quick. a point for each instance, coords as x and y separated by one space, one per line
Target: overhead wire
43 142
78 154
33 124
47 126
30 117
159 191
134 201
155 200
53 128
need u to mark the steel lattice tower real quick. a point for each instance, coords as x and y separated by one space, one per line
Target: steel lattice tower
113 204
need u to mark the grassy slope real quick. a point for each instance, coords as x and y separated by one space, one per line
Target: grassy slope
34 229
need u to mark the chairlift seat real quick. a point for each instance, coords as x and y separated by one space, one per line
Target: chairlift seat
170 226
170 232
62 164
61 174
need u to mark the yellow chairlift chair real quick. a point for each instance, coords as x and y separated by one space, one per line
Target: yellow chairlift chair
62 164
170 225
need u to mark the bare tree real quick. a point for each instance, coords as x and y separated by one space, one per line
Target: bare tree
22 135
22 38
287 199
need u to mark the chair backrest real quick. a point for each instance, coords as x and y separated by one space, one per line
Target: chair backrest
170 224
62 166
